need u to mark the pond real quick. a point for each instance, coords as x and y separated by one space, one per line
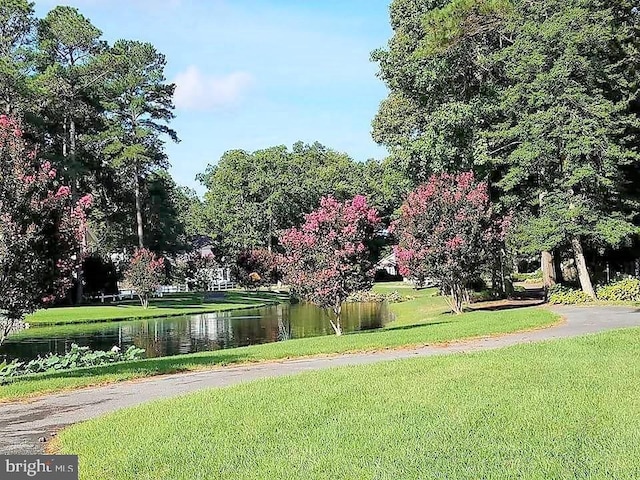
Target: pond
195 333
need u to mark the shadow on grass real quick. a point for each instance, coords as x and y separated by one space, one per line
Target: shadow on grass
511 305
409 327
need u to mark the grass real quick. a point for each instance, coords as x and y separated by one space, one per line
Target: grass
425 306
170 305
417 323
563 409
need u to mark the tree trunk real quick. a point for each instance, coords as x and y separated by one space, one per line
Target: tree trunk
457 299
270 239
136 185
337 327
548 269
581 265
75 186
557 263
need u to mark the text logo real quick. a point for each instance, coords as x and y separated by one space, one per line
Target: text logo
46 467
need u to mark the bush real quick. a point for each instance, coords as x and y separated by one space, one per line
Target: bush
145 274
255 268
76 357
627 290
533 277
369 296
561 294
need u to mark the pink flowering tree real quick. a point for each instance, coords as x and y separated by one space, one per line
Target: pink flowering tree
145 274
329 256
447 230
40 230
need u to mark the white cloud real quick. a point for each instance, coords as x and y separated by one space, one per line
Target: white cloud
197 91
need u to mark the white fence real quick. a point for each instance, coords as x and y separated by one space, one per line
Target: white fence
130 294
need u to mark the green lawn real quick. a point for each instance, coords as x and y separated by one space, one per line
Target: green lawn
416 324
425 306
563 409
170 305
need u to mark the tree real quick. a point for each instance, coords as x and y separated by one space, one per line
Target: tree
569 136
68 46
16 39
164 214
139 103
329 256
251 196
443 84
536 97
447 231
145 274
39 230
255 268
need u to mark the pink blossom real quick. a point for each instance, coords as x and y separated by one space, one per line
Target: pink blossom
63 191
86 201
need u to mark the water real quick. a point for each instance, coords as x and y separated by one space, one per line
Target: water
195 333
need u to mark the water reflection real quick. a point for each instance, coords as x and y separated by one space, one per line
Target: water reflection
196 333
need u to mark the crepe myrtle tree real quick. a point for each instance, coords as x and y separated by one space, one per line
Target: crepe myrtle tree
330 255
447 231
40 229
145 274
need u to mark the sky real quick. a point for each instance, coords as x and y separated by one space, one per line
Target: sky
251 74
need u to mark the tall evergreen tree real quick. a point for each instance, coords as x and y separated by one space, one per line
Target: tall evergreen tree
139 103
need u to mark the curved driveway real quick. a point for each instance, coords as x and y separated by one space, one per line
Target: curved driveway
23 424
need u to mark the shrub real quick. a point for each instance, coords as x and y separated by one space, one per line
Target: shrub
255 268
627 290
369 296
76 357
145 274
561 294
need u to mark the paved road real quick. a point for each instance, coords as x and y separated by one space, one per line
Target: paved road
22 424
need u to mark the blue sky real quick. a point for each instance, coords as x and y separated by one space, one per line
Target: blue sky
253 74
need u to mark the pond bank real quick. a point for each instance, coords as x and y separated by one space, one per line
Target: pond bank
409 329
170 305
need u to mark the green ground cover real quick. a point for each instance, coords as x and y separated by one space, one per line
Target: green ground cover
417 323
170 305
562 409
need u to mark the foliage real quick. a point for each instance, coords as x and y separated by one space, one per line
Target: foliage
140 103
627 290
562 294
39 228
540 98
329 256
145 274
533 277
100 275
447 231
255 268
251 196
76 357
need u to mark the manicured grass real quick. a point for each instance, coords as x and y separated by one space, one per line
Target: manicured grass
428 330
170 305
563 409
424 308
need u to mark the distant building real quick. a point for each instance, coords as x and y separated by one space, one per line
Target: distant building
387 268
